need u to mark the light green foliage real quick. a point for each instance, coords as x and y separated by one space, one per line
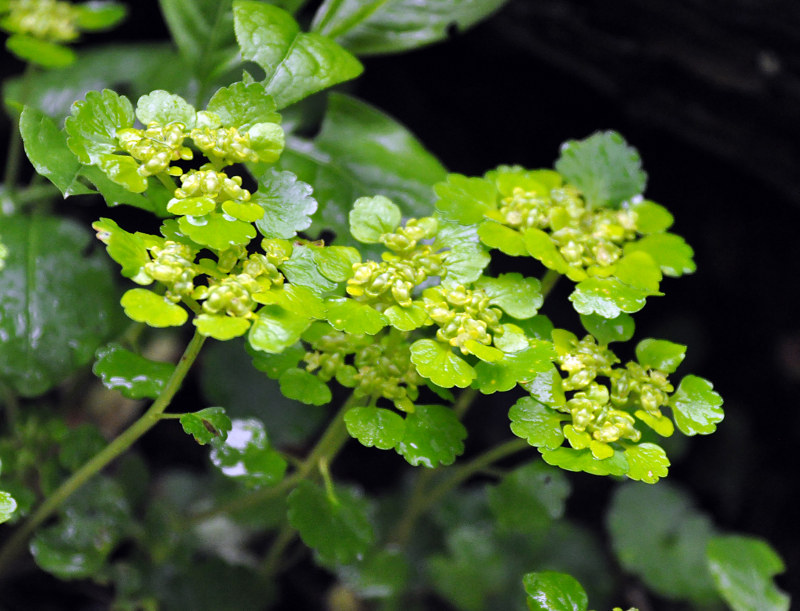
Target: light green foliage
287 203
375 426
334 524
145 306
134 376
433 435
607 297
742 568
245 453
517 296
304 387
7 506
371 217
207 425
696 407
608 330
660 354
551 591
437 362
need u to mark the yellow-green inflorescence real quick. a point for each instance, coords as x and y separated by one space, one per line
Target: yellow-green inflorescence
606 412
51 20
463 316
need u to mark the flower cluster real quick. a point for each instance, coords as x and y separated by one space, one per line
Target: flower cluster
51 20
156 147
463 316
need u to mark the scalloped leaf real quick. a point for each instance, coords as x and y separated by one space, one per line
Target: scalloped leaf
242 105
221 327
437 362
371 217
433 436
133 375
406 319
336 527
127 249
605 169
583 460
608 330
216 231
93 124
276 329
517 296
465 200
697 409
607 297
287 202
551 591
302 269
536 423
505 239
296 64
375 426
353 317
163 107
207 425
660 354
465 262
547 387
673 255
521 366
154 310
305 387
647 462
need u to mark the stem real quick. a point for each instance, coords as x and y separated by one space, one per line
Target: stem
549 281
114 449
273 558
422 500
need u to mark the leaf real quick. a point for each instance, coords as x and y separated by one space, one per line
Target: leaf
696 407
540 246
163 107
275 364
547 387
337 528
517 296
551 591
207 425
353 317
382 574
529 498
46 147
371 217
154 310
7 506
40 52
406 319
660 354
433 436
276 329
465 262
93 125
583 460
302 269
536 423
220 326
608 330
647 462
742 568
359 152
670 251
95 16
246 455
520 366
134 376
605 169
381 26
336 262
216 231
57 304
296 64
304 387
242 105
505 239
287 202
607 297
437 362
294 298
465 200
638 269
127 249
375 426
651 217
658 535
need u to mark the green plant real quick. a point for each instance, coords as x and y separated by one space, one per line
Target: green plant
426 299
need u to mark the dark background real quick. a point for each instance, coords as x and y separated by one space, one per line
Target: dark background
708 92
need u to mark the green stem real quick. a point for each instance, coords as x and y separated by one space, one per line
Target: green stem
549 281
423 499
273 558
114 449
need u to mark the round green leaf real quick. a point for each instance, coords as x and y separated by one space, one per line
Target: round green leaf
607 330
670 251
207 425
163 107
375 426
433 436
505 239
651 217
221 327
336 262
276 329
371 217
41 52
406 319
583 460
647 462
305 387
241 105
550 591
638 269
145 306
131 374
660 354
538 424
216 231
436 361
196 206
696 407
302 269
294 298
122 170
353 317
94 122
517 296
287 202
246 454
607 297
465 200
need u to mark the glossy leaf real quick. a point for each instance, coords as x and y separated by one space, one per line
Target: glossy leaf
605 169
378 26
163 107
133 375
336 262
207 425
40 52
437 362
276 329
743 568
221 326
647 462
296 64
660 354
607 297
583 460
551 591
541 246
94 122
375 426
216 231
127 249
57 305
7 506
353 317
154 310
371 217
246 455
505 239
638 269
522 366
406 319
696 407
360 152
337 528
287 202
670 251
294 298
275 364
547 387
529 498
242 105
465 200
659 536
465 262
433 436
608 330
538 424
304 387
520 297
302 269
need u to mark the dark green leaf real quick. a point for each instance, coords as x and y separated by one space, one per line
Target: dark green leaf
742 568
207 425
605 169
381 26
246 454
381 574
56 305
375 426
275 364
79 445
433 436
538 424
288 204
607 330
304 387
550 591
696 407
131 374
437 362
660 354
296 64
337 528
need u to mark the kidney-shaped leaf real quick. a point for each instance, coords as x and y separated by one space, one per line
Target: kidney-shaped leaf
434 435
551 591
131 374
